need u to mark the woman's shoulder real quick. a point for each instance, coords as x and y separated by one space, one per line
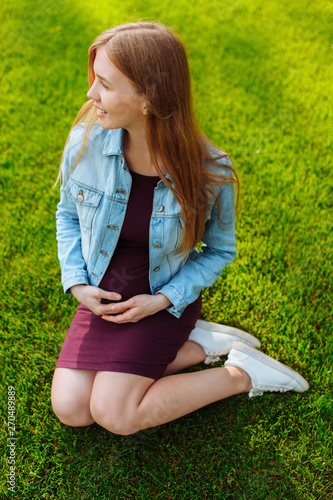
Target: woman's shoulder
78 133
75 145
80 142
218 161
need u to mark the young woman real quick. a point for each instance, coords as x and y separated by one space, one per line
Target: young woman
142 187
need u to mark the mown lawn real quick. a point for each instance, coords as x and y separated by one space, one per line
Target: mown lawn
262 77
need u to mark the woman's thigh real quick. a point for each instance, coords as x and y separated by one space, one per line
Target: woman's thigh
70 395
115 399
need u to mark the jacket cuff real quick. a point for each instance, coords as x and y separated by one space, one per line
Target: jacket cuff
179 302
74 279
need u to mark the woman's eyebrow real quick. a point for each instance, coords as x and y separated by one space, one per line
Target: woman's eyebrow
102 78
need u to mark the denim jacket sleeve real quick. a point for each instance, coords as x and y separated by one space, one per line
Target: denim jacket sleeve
73 268
203 267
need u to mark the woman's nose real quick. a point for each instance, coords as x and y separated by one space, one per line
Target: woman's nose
92 94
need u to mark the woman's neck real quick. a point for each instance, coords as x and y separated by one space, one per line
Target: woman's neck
137 155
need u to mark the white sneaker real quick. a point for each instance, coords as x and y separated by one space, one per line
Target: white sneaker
267 374
217 340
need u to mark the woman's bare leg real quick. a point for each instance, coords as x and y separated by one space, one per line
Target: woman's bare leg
190 354
125 403
71 389
70 396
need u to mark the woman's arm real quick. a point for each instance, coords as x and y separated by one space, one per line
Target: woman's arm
69 243
72 264
204 267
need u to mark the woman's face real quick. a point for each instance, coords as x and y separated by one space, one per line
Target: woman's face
118 104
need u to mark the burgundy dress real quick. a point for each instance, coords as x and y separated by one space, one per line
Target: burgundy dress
144 348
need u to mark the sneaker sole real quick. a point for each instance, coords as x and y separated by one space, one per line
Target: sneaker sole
229 330
273 363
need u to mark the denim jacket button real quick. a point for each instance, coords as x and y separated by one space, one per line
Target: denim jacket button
156 269
158 288
80 198
157 245
160 208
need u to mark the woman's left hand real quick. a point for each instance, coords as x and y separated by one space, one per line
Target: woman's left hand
137 307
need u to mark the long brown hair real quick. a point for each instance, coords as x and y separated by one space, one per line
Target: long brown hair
155 61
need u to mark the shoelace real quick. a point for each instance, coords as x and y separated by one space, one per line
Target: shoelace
211 359
259 390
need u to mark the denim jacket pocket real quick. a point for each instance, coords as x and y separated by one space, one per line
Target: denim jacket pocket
173 227
87 201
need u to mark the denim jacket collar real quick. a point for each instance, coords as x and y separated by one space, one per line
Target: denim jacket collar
114 142
114 145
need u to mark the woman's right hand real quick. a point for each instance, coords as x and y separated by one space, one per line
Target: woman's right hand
90 296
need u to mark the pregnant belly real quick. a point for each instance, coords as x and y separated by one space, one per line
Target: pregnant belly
128 273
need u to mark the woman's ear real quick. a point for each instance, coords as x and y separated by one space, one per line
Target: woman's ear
145 108
144 104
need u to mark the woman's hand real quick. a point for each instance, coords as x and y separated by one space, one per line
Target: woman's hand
90 296
136 308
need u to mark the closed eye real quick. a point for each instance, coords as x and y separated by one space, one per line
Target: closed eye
102 80
105 86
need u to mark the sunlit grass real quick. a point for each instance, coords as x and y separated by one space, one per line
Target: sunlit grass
262 74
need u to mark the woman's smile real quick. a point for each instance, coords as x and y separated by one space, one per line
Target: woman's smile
101 112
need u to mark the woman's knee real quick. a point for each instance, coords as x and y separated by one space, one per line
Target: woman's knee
71 411
117 422
70 400
115 401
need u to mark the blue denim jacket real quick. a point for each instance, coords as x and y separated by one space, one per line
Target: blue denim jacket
91 212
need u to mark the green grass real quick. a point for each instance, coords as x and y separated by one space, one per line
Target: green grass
262 76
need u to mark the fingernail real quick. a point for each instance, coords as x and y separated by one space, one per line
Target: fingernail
112 308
